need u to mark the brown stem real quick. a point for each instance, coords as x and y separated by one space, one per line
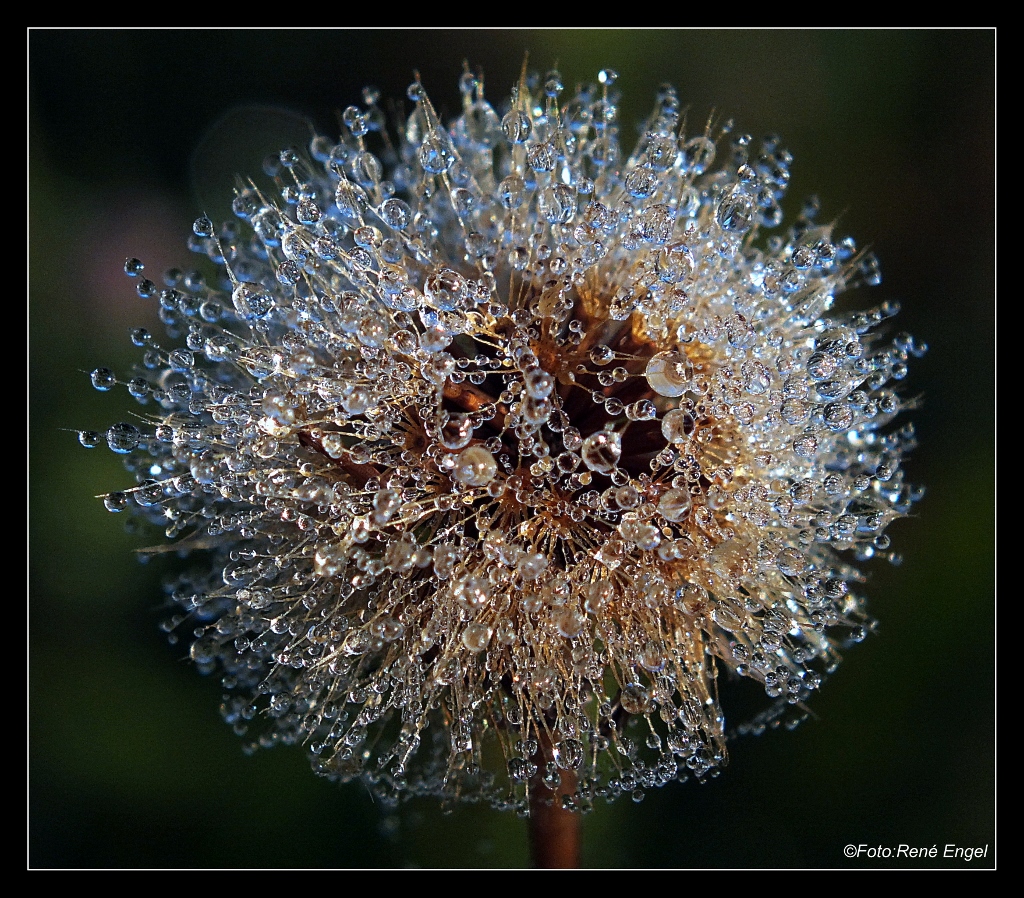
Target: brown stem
554 831
359 472
471 399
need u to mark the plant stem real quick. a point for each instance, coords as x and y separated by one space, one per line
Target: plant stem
554 831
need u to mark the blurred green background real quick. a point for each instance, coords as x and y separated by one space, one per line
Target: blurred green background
129 763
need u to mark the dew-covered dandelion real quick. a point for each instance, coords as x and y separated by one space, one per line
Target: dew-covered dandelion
501 442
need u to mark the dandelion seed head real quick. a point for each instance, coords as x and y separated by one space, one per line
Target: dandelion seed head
498 443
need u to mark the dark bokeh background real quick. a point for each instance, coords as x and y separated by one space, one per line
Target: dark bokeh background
130 765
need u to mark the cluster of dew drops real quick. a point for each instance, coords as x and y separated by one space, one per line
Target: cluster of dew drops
501 442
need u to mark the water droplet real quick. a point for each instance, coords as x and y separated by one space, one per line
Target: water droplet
669 373
675 504
613 407
180 360
123 438
532 565
444 289
641 410
676 426
536 410
569 623
476 636
601 354
516 126
791 562
435 153
675 263
475 466
634 699
641 182
139 387
520 770
512 192
541 157
697 155
601 451
307 212
103 379
736 211
395 213
202 227
252 301
821 365
806 446
757 379
434 339
597 595
456 431
539 383
726 618
204 650
115 502
655 223
557 204
472 592
569 754
795 411
838 416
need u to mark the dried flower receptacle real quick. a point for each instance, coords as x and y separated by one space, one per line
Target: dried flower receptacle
503 446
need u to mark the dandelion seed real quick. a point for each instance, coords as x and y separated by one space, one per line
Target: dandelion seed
501 440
